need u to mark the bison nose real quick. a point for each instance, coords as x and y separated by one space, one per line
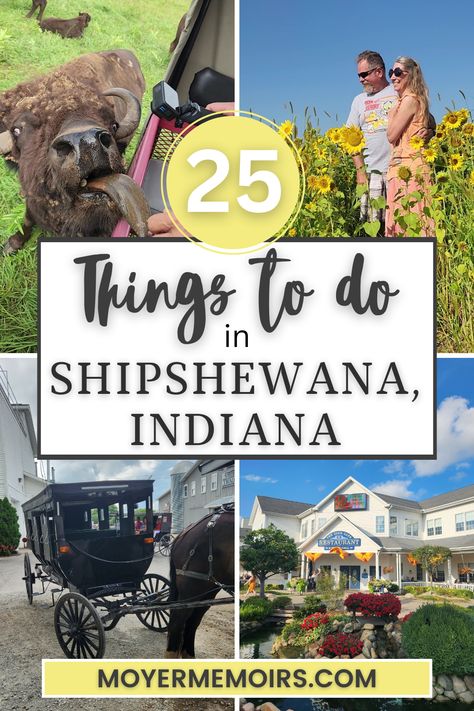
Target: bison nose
82 142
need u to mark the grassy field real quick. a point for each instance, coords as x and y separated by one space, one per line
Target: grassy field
144 26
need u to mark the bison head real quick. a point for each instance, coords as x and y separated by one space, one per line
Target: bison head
68 138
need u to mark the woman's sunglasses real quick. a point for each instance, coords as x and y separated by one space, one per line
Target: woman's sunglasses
396 72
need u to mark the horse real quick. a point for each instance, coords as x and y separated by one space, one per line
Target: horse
201 565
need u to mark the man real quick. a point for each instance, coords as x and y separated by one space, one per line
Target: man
369 111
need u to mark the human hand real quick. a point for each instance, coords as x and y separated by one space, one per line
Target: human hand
161 224
361 177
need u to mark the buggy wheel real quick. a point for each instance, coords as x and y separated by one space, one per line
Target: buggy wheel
100 604
78 627
165 543
158 617
29 578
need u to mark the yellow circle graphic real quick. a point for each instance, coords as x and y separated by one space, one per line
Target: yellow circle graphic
232 183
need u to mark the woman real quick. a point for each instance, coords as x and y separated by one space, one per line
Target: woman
408 124
252 583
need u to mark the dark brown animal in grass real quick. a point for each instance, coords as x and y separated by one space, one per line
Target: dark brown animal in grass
68 29
35 4
67 132
181 25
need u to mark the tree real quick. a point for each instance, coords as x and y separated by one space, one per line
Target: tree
9 528
268 551
430 557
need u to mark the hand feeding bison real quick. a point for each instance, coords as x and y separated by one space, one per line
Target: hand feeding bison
35 4
68 29
67 132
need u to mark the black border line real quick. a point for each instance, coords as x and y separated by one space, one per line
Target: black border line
200 455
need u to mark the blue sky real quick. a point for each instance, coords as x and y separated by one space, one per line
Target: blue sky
303 51
310 481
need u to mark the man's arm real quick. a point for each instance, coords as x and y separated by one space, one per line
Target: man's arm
354 120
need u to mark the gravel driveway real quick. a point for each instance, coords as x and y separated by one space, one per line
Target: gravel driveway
27 636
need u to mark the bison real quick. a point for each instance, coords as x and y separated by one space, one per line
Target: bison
35 4
67 132
68 29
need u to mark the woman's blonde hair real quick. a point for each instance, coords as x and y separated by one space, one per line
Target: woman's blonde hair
416 83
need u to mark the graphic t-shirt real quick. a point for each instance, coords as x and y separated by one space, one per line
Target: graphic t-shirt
370 113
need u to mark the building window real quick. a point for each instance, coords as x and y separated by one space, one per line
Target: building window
380 524
438 527
313 525
430 527
393 525
411 527
469 520
434 527
304 531
185 491
203 484
193 488
214 481
322 521
459 522
228 477
465 521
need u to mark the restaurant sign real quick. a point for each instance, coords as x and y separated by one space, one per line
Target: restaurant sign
339 539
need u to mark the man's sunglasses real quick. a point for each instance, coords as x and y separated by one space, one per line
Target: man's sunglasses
363 75
396 72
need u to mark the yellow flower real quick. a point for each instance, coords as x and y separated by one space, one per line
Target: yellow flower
312 182
429 154
325 184
464 115
471 177
452 119
334 135
404 173
292 232
353 139
468 129
440 131
311 206
455 161
442 177
417 142
286 129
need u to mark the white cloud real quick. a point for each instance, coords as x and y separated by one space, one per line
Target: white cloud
260 479
459 476
395 487
395 467
455 437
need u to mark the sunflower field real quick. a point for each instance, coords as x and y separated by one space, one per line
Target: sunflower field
331 207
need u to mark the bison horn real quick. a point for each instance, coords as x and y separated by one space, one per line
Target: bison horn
6 142
130 121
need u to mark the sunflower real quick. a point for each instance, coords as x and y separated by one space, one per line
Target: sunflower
442 177
334 135
286 129
452 119
471 177
464 115
312 182
429 154
353 139
455 161
468 129
455 140
417 142
440 131
292 232
325 184
404 173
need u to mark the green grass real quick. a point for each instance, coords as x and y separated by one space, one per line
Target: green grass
144 26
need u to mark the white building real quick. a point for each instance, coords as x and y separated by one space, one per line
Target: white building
362 534
18 471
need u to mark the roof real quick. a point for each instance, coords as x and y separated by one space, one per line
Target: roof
450 497
220 502
89 492
397 501
281 506
205 466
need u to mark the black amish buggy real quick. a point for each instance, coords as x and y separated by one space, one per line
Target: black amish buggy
162 532
85 539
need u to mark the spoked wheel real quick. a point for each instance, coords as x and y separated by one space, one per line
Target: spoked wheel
165 543
158 617
99 603
29 578
78 627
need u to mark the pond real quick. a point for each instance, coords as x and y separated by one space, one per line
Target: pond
362 705
258 644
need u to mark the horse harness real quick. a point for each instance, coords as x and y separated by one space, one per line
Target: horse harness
209 576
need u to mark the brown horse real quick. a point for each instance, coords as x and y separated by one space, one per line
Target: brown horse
201 564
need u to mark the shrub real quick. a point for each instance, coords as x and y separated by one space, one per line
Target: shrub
255 608
9 528
281 601
443 633
441 592
311 604
316 620
384 605
335 645
289 629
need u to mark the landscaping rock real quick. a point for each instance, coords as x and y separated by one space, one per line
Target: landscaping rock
444 681
450 695
467 697
469 681
458 685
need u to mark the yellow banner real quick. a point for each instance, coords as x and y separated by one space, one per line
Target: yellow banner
285 678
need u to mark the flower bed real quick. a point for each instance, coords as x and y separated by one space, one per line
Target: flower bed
336 645
384 605
316 620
